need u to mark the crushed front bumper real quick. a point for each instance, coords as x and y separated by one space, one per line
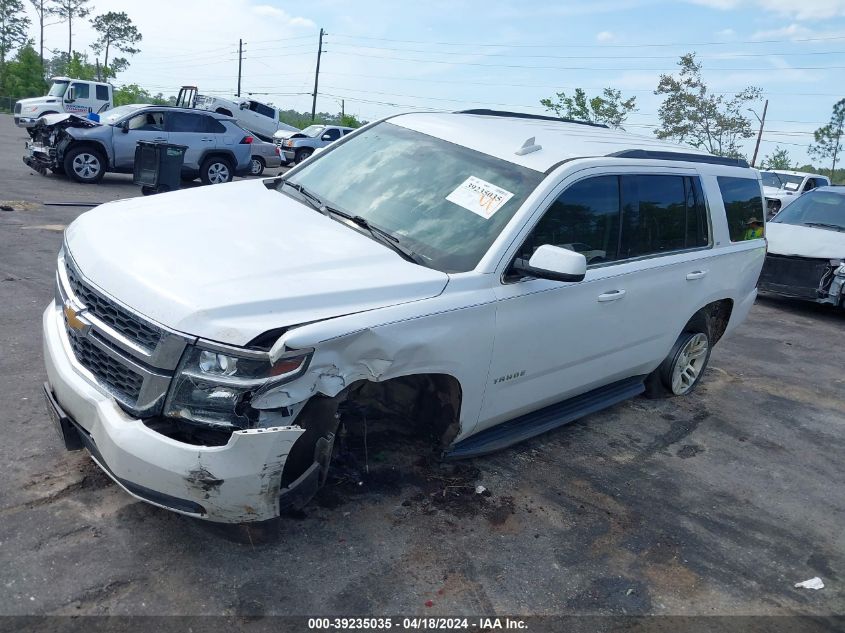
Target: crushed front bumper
40 158
236 483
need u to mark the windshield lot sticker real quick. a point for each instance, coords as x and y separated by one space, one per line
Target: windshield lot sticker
480 197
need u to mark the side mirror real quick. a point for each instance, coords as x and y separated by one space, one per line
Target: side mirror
556 263
70 95
326 137
243 106
124 127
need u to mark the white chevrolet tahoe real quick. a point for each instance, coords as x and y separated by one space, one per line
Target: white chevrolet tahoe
203 345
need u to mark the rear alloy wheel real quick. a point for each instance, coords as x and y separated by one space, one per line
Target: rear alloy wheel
256 166
686 363
681 370
215 171
85 165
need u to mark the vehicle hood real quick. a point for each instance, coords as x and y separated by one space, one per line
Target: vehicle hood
805 241
31 101
229 262
67 120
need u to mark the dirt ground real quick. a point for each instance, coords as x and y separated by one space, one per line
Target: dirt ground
717 503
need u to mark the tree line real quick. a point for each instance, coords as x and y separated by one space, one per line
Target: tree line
692 114
24 74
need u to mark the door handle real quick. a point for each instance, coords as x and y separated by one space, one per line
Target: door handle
160 139
696 274
613 295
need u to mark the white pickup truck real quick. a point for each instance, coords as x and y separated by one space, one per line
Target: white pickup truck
206 345
259 118
782 187
74 96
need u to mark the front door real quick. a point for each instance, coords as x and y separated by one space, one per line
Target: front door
557 340
145 126
83 100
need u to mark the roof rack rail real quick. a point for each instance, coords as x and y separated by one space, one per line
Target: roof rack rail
680 156
526 115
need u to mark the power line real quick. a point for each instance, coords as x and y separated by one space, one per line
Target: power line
725 56
556 86
591 68
679 44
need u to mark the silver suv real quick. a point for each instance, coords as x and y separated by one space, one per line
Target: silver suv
85 150
299 146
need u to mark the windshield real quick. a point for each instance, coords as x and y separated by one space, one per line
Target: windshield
58 89
445 202
313 130
112 116
815 207
789 182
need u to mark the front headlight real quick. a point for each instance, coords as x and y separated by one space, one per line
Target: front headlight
214 384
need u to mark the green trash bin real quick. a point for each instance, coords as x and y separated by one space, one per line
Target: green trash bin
158 166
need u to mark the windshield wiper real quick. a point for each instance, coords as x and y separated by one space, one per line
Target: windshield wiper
312 199
379 234
825 225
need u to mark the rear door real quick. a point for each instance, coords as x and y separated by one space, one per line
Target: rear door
190 129
645 234
149 125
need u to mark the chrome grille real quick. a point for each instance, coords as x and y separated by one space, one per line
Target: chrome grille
124 384
112 314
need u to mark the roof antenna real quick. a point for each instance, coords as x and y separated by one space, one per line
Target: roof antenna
527 147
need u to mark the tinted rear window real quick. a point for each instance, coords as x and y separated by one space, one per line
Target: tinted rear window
102 93
743 206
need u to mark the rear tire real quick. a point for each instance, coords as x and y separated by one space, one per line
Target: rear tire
85 165
216 170
681 371
256 166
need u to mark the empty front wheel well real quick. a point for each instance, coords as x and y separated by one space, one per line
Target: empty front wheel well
423 408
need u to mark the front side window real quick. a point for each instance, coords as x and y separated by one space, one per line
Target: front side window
81 91
445 202
584 218
744 207
148 122
333 134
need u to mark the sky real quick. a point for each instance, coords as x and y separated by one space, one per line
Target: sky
380 58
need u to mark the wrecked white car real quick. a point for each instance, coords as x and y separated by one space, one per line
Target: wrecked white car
204 345
806 256
782 187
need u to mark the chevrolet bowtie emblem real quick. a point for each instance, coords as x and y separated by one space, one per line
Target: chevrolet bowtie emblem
73 320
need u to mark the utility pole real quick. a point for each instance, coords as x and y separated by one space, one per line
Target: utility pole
317 77
240 63
342 108
760 133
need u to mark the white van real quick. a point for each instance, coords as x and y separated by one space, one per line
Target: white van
204 344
